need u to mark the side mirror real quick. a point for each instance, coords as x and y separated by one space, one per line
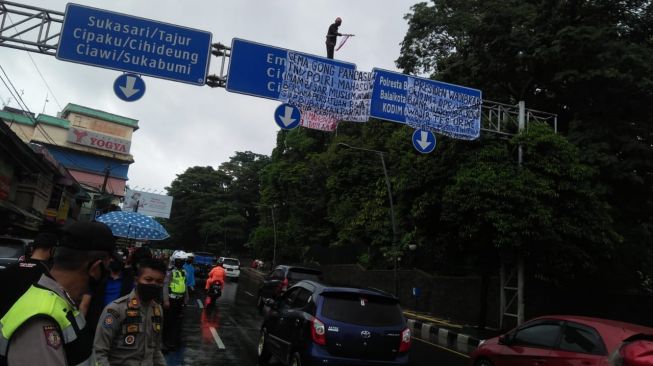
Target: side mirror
504 340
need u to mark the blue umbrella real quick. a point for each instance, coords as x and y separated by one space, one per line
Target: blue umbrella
132 225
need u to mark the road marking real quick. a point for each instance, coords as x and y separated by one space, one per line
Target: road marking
199 303
443 348
247 292
217 339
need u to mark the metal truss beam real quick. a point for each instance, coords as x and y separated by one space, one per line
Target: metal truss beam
503 119
29 28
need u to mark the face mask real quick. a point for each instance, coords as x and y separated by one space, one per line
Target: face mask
148 292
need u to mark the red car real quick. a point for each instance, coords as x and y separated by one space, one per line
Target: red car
557 340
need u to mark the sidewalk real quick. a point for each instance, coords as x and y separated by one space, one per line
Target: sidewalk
456 337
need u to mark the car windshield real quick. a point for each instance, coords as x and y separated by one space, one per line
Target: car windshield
303 274
11 249
362 309
231 262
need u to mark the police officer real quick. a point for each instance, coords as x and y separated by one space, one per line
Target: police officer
175 297
130 329
17 278
44 327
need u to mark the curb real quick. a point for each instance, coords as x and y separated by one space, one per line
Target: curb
442 336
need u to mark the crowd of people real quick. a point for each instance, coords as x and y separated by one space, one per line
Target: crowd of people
75 301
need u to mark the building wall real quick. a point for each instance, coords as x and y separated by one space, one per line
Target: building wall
97 125
57 135
115 186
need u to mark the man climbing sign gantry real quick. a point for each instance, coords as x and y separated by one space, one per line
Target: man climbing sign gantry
332 38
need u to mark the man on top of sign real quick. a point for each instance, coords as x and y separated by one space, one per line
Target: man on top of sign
332 38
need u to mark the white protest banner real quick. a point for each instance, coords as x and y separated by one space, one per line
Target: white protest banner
326 93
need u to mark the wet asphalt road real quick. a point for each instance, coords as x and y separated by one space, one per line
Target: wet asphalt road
228 334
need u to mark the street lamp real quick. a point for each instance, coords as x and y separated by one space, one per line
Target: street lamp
392 210
274 229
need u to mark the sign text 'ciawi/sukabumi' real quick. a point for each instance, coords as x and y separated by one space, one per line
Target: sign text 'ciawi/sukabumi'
123 42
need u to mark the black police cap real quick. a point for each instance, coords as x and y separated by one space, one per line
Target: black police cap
88 236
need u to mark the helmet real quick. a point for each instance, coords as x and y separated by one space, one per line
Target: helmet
179 254
338 20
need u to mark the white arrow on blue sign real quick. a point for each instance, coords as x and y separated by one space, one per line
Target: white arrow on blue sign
287 116
129 87
424 141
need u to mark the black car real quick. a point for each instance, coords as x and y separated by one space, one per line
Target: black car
281 278
12 250
316 324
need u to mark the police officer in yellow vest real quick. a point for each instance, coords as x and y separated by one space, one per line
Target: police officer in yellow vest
175 297
44 327
129 332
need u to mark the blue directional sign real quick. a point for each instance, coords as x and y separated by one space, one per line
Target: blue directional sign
287 116
424 141
258 70
129 87
123 42
449 109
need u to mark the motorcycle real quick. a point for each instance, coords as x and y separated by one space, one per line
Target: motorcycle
215 291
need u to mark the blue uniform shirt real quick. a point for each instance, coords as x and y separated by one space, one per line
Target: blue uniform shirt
190 274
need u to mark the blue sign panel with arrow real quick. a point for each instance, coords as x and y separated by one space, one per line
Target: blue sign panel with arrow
287 116
449 109
424 141
129 87
257 69
123 42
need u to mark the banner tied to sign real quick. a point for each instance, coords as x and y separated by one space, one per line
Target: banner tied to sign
442 110
326 93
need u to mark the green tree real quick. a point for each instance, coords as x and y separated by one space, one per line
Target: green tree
588 61
217 206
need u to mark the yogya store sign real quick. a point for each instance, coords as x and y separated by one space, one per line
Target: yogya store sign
98 141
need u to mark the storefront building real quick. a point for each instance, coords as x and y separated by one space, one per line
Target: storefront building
34 187
93 145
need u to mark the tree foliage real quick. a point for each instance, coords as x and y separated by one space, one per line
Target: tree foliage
217 209
581 200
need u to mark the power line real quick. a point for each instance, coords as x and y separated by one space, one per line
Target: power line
26 111
37 69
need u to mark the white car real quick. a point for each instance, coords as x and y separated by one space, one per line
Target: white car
231 267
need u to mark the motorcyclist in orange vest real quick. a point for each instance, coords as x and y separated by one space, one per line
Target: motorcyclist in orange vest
215 275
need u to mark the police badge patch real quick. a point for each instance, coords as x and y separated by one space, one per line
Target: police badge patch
108 321
129 340
52 337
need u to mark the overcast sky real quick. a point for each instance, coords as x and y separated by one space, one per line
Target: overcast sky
183 125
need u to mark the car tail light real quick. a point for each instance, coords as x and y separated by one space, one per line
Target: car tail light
318 332
284 285
404 346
